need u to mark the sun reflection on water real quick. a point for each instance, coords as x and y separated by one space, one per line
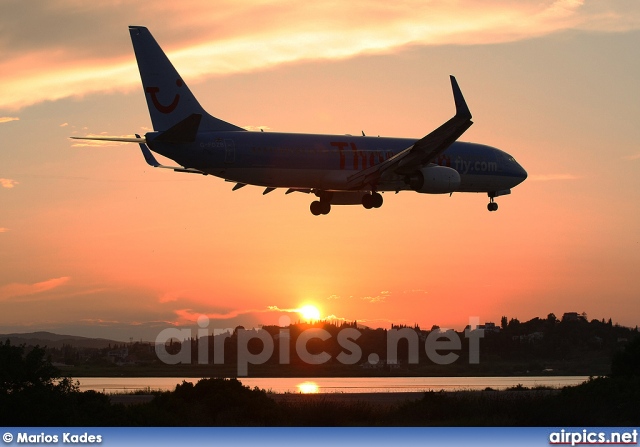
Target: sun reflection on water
308 387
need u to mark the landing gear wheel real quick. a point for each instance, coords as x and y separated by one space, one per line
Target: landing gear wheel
319 207
367 201
316 208
492 206
377 199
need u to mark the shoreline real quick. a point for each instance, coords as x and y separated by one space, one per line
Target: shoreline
387 399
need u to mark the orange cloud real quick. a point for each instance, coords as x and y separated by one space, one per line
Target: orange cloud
16 290
22 87
3 230
232 37
8 183
7 119
99 143
190 316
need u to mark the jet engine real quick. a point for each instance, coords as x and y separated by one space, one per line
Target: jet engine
434 180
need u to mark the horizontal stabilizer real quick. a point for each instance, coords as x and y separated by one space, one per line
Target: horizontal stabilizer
187 170
118 139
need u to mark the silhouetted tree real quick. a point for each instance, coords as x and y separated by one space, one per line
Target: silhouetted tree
514 323
32 391
19 371
626 363
208 402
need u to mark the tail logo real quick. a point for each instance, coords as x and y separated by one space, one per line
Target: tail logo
156 102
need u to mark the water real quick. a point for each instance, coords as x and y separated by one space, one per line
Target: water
336 384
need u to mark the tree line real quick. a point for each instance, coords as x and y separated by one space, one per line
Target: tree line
33 393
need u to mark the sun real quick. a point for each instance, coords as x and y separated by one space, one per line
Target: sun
309 312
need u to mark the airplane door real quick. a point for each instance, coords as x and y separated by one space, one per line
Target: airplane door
230 151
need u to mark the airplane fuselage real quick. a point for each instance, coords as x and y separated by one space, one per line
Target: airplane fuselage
325 162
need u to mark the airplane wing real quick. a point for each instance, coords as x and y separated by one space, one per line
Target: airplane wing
421 152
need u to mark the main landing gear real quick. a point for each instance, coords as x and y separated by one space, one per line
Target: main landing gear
323 204
492 206
372 200
320 207
325 198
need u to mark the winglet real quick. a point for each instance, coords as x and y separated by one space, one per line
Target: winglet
461 105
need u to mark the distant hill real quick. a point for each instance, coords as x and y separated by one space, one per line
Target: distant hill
52 340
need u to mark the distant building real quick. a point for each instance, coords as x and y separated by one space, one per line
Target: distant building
118 355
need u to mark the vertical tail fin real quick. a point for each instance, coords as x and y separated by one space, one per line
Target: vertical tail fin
169 99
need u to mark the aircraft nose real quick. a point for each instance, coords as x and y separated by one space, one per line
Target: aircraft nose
522 174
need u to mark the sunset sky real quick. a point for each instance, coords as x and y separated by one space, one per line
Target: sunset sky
96 243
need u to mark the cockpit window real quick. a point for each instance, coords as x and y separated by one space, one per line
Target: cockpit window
508 158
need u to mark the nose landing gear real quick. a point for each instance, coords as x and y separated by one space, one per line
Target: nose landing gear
492 206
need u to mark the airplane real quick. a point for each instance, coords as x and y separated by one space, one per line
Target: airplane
336 169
